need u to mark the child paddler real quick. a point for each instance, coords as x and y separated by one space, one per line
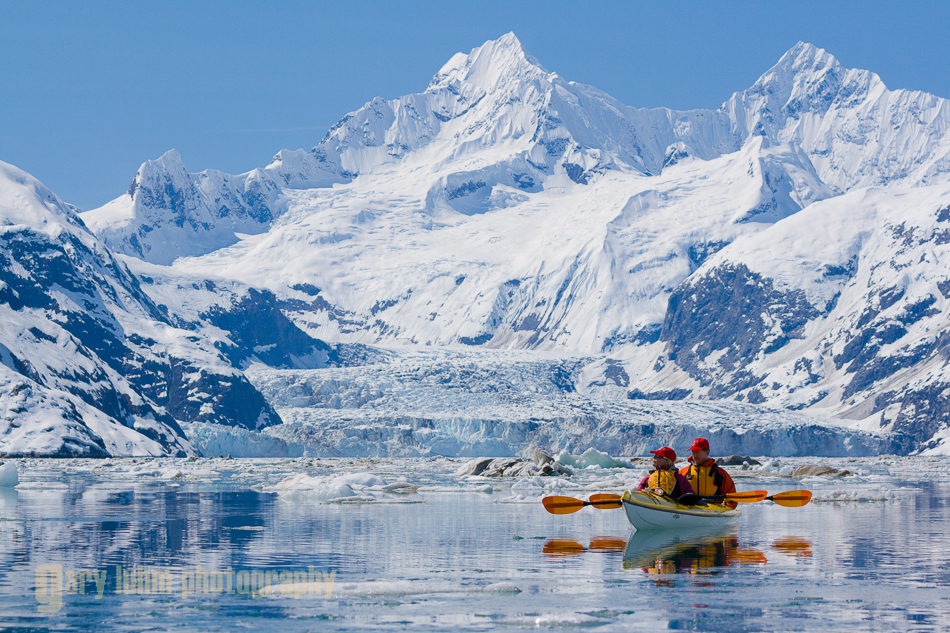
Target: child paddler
663 479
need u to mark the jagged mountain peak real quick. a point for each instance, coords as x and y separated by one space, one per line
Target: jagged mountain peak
489 65
806 78
168 167
808 68
805 55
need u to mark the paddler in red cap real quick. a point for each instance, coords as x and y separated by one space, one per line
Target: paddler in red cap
703 474
664 479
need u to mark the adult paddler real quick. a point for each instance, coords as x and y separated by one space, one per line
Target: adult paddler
664 479
704 475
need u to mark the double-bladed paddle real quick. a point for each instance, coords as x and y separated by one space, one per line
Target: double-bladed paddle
569 505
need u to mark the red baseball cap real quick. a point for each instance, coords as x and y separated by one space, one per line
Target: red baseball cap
666 452
699 444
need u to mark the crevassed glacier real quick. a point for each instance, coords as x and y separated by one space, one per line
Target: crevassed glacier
459 403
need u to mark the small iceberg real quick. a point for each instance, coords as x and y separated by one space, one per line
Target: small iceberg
8 475
592 457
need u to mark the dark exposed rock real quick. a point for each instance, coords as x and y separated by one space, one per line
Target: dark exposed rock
699 253
515 467
923 410
721 311
812 470
672 394
258 329
161 388
738 460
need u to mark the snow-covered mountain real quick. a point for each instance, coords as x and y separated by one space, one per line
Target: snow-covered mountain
494 125
91 365
782 250
841 309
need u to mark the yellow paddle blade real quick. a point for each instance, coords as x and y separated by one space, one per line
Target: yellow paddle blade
606 502
749 496
562 505
792 498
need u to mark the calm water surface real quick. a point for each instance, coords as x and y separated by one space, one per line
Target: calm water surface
222 552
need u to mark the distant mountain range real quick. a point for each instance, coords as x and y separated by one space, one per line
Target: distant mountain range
786 251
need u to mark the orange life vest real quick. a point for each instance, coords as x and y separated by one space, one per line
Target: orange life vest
665 479
705 481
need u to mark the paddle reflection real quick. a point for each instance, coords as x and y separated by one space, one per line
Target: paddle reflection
559 547
664 553
796 546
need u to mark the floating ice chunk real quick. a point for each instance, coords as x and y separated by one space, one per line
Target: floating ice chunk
337 488
856 496
592 457
8 475
628 482
324 489
502 587
529 485
203 472
362 480
556 620
527 488
354 499
400 487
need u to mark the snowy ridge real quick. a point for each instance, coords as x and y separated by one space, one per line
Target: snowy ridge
496 119
168 211
64 298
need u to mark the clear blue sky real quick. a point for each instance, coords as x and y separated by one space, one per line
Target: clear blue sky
90 90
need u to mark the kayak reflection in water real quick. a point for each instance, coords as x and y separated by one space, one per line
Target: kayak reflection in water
663 479
659 553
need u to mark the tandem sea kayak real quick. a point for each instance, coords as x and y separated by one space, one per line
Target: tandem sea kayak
649 511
